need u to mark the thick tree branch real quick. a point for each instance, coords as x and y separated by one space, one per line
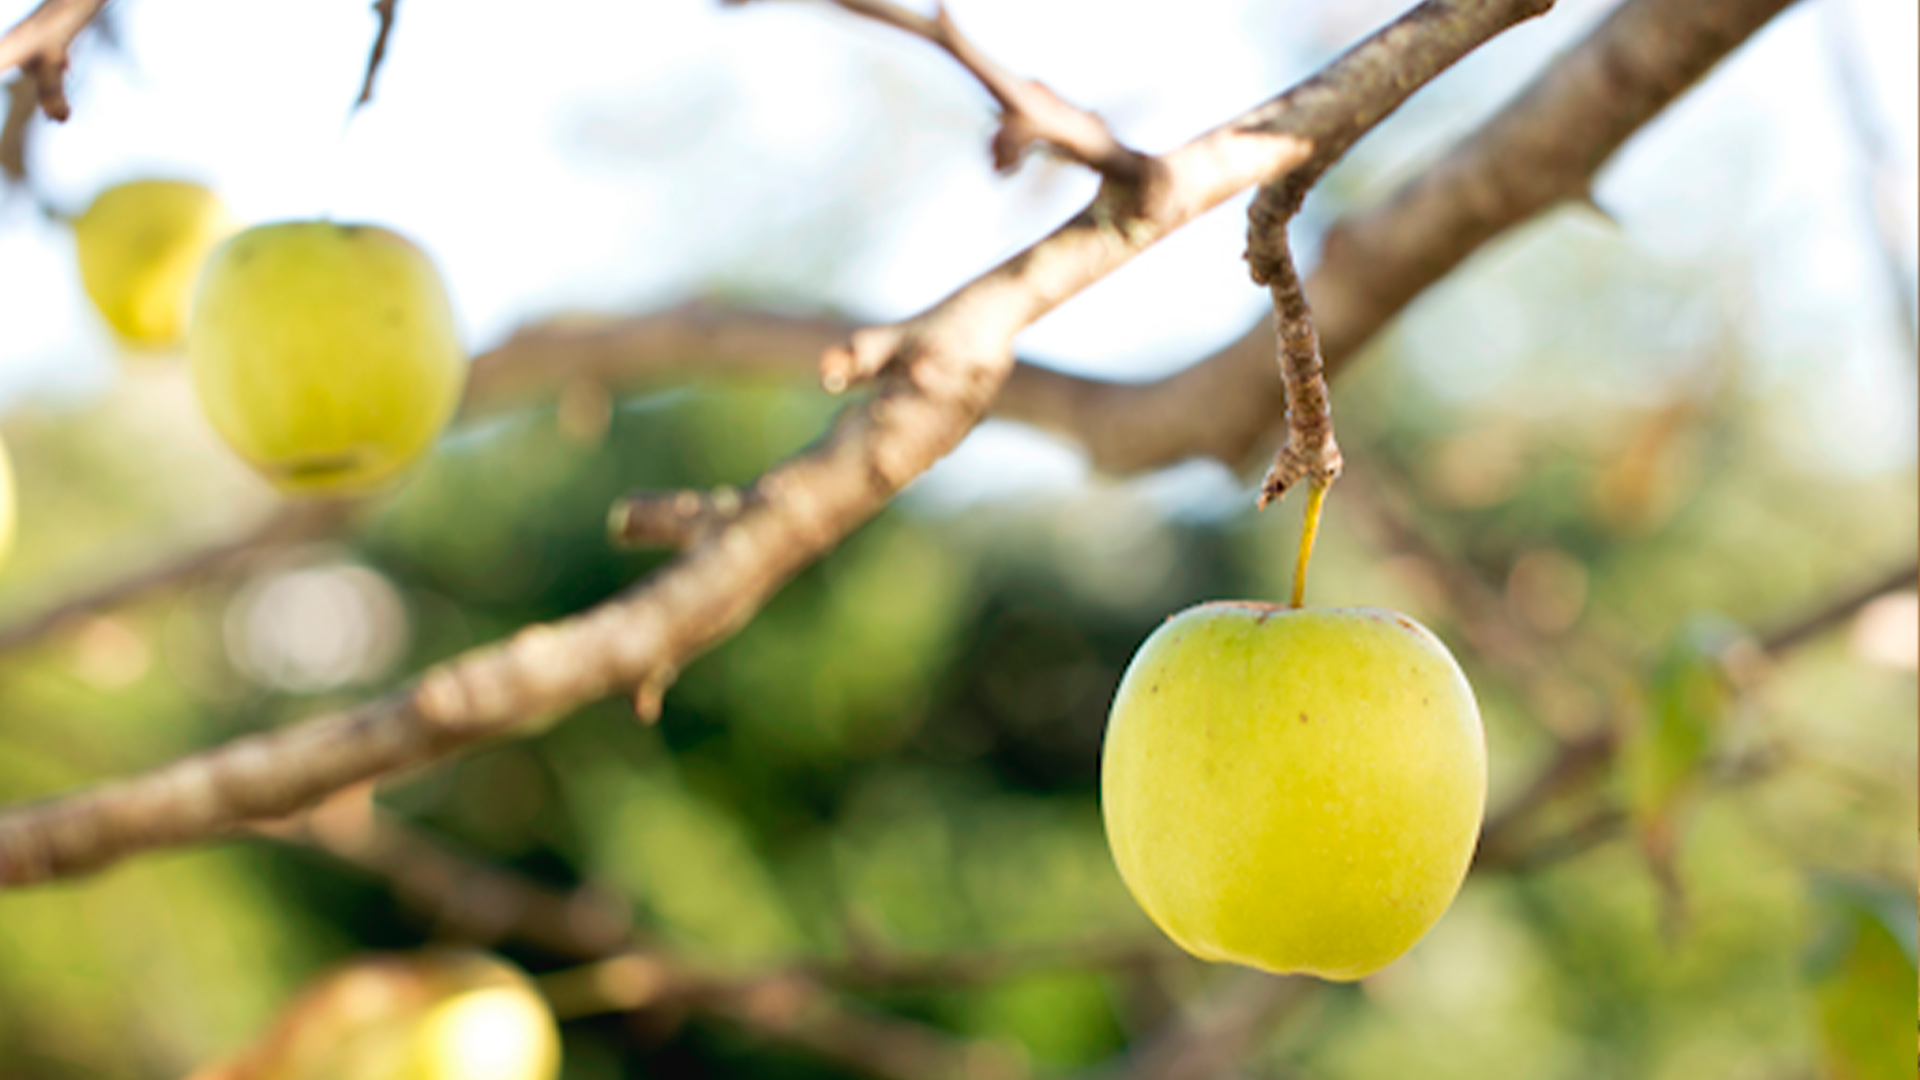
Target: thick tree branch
38 46
944 369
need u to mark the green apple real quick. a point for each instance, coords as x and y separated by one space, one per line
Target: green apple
140 246
1295 790
429 1016
325 354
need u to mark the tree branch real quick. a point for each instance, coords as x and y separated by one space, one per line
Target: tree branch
798 1005
384 11
38 46
1790 635
21 101
1540 150
1029 112
944 368
291 523
1311 453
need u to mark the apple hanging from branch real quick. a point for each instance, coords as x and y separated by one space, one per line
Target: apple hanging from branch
140 247
325 354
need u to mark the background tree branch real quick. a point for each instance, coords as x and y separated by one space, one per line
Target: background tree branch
38 46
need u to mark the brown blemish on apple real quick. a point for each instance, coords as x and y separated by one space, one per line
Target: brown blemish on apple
320 467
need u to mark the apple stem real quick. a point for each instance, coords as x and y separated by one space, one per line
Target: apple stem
1309 529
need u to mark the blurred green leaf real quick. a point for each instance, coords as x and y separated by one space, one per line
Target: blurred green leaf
1863 974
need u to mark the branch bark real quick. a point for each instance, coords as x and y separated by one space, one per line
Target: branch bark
1029 112
1537 152
383 10
38 46
943 367
1542 150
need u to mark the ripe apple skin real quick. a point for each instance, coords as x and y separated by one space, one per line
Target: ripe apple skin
1295 790
425 1016
140 247
326 354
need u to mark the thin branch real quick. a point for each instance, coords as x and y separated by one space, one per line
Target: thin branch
1581 762
384 10
21 101
945 367
38 46
1029 112
797 1005
1576 766
1311 453
291 523
1804 628
467 900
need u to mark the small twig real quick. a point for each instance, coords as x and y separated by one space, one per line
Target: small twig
38 46
291 523
1030 112
467 900
384 9
1311 452
21 99
1790 634
1576 765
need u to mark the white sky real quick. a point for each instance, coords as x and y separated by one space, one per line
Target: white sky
618 156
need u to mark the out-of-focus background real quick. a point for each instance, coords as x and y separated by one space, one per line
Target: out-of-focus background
1610 461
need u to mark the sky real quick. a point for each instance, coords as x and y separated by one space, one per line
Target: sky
618 157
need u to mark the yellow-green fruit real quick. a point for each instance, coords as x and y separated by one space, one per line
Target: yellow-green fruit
431 1016
9 505
325 354
141 245
1296 790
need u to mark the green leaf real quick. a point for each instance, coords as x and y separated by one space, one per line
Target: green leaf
1862 972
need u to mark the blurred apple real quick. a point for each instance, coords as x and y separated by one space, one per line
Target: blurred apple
9 505
141 245
325 354
1295 790
430 1016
